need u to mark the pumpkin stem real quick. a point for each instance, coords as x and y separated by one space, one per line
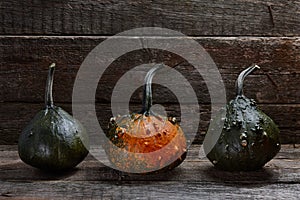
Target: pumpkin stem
48 94
242 76
147 95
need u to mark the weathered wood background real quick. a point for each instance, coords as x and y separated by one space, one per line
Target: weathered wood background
236 33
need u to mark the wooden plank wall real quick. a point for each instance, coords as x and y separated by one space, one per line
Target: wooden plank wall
236 33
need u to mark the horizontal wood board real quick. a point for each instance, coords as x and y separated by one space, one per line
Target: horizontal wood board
24 62
195 178
191 17
235 33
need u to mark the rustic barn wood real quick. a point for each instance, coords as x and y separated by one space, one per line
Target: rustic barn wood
236 33
230 18
35 34
17 115
24 62
195 178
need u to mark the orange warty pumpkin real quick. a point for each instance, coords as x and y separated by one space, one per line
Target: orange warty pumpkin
145 142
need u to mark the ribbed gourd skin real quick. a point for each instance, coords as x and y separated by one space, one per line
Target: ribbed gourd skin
162 143
145 142
249 138
53 141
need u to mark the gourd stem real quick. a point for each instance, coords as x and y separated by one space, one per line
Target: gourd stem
48 94
242 76
147 95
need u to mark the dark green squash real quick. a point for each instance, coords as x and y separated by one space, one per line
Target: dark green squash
145 142
53 140
249 138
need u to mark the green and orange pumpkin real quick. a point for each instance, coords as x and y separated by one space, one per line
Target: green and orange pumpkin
145 142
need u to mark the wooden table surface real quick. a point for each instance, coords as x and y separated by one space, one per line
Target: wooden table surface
194 179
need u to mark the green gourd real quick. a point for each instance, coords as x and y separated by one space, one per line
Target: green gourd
249 138
53 140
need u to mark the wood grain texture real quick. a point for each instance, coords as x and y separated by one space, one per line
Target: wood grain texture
24 62
35 33
192 17
279 179
146 190
15 116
